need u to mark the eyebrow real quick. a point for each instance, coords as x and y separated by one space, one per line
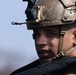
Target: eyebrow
51 30
47 29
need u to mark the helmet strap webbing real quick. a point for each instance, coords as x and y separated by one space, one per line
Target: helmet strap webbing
61 36
62 53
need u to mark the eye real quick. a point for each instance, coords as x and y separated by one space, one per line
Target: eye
51 34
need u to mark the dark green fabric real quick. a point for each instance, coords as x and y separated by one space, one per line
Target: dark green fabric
57 67
29 66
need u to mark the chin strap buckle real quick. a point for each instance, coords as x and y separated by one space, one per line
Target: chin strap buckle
64 53
61 54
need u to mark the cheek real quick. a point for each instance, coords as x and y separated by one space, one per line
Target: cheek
54 43
67 42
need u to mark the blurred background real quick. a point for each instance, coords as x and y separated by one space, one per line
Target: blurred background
16 44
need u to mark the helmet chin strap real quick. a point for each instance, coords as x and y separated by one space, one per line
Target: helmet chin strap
62 53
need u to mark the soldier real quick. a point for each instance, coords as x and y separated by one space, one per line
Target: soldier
54 30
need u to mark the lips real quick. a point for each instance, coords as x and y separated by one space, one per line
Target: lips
45 54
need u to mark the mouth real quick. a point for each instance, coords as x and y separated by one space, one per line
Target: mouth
44 54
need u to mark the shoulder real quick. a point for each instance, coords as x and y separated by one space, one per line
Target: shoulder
27 67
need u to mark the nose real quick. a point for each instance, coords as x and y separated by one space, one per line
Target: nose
42 40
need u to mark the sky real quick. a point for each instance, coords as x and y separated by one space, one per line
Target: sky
16 44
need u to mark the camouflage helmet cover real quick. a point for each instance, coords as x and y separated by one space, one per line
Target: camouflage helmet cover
52 12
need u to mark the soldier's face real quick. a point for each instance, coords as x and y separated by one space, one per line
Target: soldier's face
46 41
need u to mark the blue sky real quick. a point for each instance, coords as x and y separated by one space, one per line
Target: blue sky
15 40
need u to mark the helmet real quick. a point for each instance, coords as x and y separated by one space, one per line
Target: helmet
43 13
51 12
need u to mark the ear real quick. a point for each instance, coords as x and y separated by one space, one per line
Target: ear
74 33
